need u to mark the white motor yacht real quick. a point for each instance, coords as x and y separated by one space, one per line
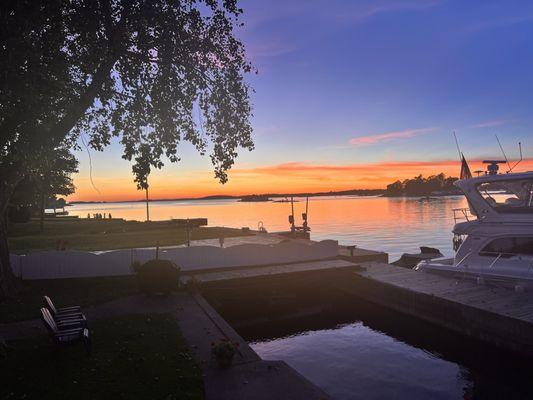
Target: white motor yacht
493 238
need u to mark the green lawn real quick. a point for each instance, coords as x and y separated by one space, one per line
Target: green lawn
91 234
134 357
64 292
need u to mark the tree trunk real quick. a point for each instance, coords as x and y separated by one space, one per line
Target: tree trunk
9 284
41 222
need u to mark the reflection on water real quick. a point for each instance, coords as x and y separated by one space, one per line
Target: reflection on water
374 353
365 364
394 225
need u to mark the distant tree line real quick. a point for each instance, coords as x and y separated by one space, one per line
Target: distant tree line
419 186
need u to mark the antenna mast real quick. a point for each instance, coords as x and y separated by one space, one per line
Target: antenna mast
458 149
521 158
504 155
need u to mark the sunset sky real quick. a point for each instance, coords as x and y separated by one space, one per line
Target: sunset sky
355 94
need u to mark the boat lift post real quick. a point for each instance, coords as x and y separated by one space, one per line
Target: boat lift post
304 215
291 217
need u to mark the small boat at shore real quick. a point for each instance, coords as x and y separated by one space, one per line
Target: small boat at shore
493 237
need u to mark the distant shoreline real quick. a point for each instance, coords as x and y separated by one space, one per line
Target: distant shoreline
354 192
422 195
272 196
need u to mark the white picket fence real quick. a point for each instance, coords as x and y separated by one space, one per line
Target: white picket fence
82 264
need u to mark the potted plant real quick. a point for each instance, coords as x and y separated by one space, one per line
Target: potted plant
224 351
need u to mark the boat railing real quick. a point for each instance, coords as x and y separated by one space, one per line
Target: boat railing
463 214
530 266
496 260
463 259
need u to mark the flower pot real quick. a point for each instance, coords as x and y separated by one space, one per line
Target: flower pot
225 361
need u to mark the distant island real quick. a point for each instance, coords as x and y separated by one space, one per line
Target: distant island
434 185
255 198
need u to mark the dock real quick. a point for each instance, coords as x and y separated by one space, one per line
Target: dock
495 315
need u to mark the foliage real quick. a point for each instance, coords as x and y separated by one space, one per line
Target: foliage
224 351
133 357
19 213
420 186
52 173
48 177
158 276
149 73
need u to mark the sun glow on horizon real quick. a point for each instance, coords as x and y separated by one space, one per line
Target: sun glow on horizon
291 177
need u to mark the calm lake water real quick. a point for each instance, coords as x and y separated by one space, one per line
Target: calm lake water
372 353
365 352
394 225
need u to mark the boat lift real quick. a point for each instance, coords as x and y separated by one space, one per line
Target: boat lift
305 225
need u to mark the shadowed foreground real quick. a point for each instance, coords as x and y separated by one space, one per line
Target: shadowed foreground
134 357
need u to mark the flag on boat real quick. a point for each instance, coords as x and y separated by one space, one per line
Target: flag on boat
465 169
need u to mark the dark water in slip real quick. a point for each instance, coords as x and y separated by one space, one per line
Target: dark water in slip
373 353
363 352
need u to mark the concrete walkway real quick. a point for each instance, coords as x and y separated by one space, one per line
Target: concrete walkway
249 377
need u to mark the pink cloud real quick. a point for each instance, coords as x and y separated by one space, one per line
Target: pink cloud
490 124
388 136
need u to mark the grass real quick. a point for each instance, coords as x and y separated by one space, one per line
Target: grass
91 234
64 292
134 357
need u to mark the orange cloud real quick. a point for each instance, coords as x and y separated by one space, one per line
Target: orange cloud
387 137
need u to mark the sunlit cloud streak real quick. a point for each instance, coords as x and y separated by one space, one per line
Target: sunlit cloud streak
387 137
491 124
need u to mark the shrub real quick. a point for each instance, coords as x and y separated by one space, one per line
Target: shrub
224 351
157 276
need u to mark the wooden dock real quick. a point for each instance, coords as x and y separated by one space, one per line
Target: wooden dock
499 316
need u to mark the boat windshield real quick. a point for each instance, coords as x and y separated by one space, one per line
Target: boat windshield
513 195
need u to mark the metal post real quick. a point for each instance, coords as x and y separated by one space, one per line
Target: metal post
147 207
188 233
292 213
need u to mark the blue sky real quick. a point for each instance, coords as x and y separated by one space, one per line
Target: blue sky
344 82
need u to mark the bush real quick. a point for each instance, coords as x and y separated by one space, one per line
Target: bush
19 214
157 276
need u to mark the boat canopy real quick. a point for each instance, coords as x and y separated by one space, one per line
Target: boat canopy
495 196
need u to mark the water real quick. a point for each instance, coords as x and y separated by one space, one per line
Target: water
394 225
365 364
368 352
